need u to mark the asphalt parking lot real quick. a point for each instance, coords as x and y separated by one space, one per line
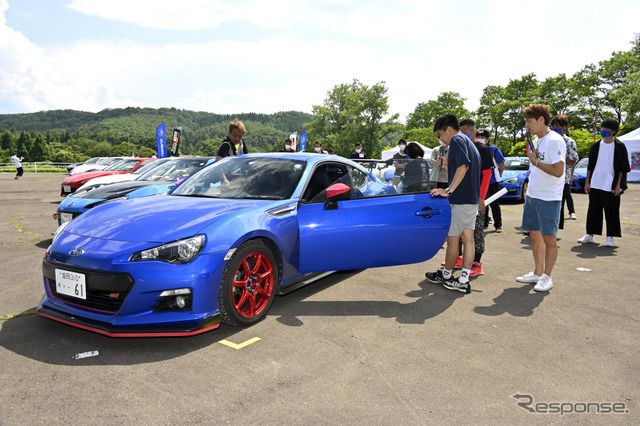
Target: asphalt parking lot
378 346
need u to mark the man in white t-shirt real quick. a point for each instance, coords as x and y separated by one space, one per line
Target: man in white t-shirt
606 181
544 196
18 163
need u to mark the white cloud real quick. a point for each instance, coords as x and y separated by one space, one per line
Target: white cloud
300 51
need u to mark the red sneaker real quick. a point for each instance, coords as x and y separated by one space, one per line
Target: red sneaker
458 263
476 269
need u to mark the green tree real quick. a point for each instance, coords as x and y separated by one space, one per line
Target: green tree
40 150
518 95
24 145
426 113
426 137
8 141
557 95
353 113
101 149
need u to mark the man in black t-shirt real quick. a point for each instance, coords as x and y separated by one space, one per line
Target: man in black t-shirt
359 154
233 144
468 127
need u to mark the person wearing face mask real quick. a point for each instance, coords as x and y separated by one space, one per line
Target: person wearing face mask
317 148
559 124
233 144
439 173
606 181
468 128
287 146
399 162
359 154
494 185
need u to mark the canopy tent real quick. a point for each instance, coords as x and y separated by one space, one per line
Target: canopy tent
632 141
389 153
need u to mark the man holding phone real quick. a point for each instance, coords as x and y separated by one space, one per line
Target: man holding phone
544 196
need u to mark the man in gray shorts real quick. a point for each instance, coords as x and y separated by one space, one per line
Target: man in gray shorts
463 165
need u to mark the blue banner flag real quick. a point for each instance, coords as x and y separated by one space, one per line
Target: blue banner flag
303 142
161 137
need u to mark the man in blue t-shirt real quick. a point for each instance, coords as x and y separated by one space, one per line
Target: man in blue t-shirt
463 165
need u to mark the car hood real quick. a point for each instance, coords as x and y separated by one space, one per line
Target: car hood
88 175
158 219
109 192
508 174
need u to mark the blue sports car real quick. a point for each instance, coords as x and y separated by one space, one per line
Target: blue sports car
580 175
226 240
515 178
158 180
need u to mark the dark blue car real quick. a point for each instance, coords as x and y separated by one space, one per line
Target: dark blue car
579 175
223 243
515 178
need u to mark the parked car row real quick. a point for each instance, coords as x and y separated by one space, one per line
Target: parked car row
118 166
160 177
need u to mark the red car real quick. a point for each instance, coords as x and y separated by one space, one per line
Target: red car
126 165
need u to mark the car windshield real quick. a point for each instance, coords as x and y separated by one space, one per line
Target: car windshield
148 165
582 164
516 164
122 166
174 169
93 160
108 161
245 178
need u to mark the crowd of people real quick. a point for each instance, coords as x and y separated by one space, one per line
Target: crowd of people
466 168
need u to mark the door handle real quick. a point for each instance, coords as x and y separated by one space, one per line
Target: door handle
428 212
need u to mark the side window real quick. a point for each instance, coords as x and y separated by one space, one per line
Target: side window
418 177
323 176
358 178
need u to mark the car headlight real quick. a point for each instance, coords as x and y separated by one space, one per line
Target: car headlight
59 231
512 180
181 251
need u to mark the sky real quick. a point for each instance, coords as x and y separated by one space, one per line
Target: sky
243 56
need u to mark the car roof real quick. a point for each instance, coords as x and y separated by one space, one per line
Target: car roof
309 157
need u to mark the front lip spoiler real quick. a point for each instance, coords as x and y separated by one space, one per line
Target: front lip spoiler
208 324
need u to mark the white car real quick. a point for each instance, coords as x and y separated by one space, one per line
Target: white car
100 165
127 177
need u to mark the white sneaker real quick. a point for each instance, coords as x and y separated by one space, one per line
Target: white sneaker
544 284
573 216
530 278
588 238
610 242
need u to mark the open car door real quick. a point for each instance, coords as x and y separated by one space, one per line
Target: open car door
357 229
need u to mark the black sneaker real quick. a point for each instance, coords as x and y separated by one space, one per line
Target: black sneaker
435 277
453 284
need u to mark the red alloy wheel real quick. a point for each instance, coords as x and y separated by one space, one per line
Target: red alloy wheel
253 284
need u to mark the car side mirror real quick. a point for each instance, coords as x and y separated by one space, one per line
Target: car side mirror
335 193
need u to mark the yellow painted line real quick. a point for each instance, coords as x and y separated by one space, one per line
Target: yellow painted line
237 346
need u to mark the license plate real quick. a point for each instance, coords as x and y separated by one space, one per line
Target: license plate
65 217
71 284
66 188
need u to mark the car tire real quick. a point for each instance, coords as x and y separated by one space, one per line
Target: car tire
249 284
523 190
